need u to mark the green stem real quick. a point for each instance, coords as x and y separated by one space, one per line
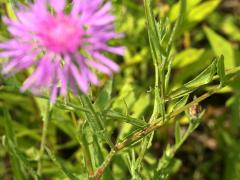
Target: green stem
156 95
163 90
154 116
101 169
43 139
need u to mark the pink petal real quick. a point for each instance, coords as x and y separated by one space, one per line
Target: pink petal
92 78
54 94
99 67
106 61
75 7
103 10
12 44
7 54
115 50
9 66
102 21
32 79
63 79
82 83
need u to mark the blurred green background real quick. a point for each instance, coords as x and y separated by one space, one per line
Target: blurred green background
211 27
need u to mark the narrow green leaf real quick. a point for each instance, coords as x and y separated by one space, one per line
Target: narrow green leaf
168 74
153 31
91 116
104 97
8 126
177 132
181 102
18 171
201 11
205 77
94 135
95 120
221 70
95 157
126 119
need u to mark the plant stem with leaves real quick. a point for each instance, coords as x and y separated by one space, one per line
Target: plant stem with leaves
151 128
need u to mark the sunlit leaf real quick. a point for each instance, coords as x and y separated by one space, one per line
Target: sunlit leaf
221 46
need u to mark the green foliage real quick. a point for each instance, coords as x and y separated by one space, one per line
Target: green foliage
221 46
10 142
141 122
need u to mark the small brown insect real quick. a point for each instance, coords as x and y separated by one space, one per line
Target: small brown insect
195 110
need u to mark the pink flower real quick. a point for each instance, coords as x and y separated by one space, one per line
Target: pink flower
62 47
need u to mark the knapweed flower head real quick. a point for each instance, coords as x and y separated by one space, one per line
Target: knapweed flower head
64 48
